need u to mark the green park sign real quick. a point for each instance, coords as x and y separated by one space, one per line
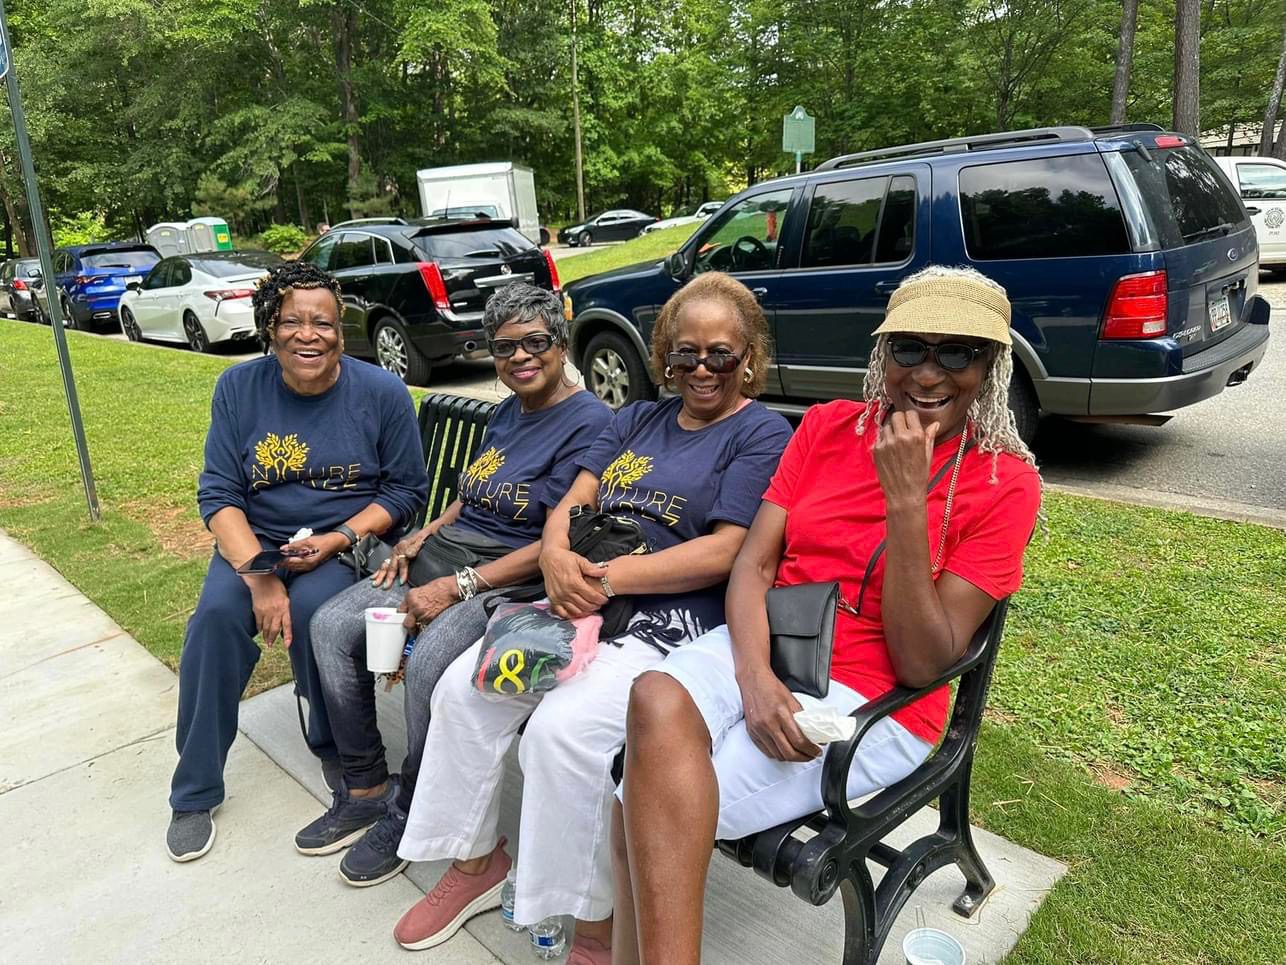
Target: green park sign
798 134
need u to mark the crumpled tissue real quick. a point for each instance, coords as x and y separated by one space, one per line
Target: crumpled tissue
821 725
304 533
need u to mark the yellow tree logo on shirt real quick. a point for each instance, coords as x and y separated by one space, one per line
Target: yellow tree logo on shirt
282 455
625 470
485 466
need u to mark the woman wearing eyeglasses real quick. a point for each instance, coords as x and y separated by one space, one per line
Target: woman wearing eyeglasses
691 469
930 468
441 575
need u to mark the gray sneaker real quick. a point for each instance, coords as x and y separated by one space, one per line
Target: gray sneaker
191 834
344 822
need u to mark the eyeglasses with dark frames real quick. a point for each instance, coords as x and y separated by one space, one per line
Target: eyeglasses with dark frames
717 363
950 356
537 343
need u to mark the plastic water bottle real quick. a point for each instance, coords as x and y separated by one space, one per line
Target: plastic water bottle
507 900
547 939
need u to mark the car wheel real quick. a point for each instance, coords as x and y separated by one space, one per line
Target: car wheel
129 325
544 236
585 239
614 372
396 353
69 317
198 341
1022 400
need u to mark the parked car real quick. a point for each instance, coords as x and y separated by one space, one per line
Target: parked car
693 214
414 290
1130 263
1261 183
617 225
199 299
18 279
90 279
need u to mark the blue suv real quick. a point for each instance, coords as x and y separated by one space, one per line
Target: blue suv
90 279
1129 259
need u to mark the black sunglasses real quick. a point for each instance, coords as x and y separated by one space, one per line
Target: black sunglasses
716 363
951 356
535 344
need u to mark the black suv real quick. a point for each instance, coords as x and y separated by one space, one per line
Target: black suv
1131 265
414 290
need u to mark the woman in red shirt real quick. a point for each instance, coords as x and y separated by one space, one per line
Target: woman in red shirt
713 749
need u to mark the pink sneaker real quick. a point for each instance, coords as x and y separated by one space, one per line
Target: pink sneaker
455 899
586 951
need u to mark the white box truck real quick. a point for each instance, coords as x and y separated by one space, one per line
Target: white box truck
501 190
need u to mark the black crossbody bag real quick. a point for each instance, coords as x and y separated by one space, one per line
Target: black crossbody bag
801 618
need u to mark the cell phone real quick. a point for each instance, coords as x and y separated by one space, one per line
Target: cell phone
266 562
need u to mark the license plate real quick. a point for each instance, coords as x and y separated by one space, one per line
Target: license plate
1220 313
132 280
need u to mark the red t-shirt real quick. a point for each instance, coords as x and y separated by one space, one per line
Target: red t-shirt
828 485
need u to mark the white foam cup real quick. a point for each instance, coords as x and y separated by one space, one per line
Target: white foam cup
928 946
385 639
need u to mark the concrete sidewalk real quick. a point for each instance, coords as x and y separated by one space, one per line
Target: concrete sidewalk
86 753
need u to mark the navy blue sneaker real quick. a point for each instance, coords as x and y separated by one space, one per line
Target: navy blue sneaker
344 822
374 858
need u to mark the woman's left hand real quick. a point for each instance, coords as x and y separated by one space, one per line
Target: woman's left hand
903 453
308 554
424 603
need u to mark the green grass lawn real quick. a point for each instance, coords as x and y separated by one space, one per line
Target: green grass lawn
1136 720
650 247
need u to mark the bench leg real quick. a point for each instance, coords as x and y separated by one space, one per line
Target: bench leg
955 823
860 947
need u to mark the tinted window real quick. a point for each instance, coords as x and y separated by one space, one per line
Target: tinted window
353 251
896 239
1262 181
29 269
842 221
1061 207
745 236
319 254
180 274
383 251
1185 193
158 277
243 264
482 243
129 258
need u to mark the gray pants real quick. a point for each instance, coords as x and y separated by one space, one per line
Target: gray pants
339 644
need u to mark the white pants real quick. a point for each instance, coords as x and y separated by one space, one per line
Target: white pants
755 791
564 855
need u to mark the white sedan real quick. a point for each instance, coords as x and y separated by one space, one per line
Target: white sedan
198 299
687 216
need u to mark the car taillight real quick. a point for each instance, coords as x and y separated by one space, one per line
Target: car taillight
1171 140
553 271
19 285
1138 307
223 294
436 285
87 279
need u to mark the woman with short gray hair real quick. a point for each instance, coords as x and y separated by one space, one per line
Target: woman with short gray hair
486 540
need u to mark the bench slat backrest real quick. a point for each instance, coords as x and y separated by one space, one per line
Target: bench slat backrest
451 429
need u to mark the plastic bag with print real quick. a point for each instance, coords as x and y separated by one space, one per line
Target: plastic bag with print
527 649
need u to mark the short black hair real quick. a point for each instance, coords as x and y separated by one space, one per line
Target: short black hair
281 279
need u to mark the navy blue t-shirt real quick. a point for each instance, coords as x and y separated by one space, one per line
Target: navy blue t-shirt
526 464
678 482
290 460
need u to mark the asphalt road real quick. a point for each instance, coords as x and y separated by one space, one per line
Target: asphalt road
1225 456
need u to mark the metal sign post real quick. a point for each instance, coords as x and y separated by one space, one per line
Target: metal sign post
40 231
798 134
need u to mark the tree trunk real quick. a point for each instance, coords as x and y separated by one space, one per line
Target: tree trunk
15 213
1124 60
1274 103
580 161
342 27
304 220
1187 67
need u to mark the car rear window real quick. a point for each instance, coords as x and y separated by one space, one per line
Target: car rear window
1056 207
476 243
243 264
1186 194
126 258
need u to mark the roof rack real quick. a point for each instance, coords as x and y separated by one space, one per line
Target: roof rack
357 221
954 145
1127 128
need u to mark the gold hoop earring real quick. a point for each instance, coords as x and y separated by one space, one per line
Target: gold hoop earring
749 375
669 372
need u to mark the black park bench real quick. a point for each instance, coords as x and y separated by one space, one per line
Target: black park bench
845 837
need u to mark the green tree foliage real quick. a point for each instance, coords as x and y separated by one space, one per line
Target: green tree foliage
299 111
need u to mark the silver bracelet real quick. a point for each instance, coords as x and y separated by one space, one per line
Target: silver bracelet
465 584
478 577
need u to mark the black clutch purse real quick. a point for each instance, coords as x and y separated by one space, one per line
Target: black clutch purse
801 633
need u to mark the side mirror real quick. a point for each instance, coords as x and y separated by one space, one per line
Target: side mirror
677 266
134 286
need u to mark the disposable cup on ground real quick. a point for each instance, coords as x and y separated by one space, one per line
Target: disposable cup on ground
385 638
928 946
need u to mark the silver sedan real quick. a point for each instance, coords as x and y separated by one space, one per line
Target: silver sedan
198 299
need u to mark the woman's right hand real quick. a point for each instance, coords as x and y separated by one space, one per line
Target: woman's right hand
271 608
398 565
572 583
770 718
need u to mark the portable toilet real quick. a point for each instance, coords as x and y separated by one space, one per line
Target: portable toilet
169 238
209 234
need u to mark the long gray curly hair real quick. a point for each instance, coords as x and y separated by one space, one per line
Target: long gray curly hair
990 419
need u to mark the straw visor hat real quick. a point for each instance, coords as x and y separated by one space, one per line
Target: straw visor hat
948 304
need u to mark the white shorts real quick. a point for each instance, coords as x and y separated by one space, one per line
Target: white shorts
755 791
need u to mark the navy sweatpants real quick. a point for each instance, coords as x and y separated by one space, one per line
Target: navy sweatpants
219 654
